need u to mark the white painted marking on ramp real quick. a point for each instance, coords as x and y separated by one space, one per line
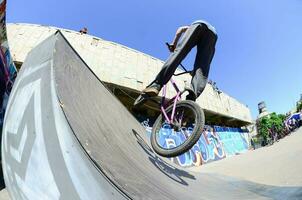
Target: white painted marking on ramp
18 108
17 153
38 173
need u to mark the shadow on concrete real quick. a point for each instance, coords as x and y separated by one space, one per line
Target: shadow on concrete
166 168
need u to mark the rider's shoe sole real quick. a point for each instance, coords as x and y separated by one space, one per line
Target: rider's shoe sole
151 92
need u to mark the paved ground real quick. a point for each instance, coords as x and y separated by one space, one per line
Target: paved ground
281 163
4 195
246 166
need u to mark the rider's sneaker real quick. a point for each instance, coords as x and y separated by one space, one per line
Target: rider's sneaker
191 96
152 90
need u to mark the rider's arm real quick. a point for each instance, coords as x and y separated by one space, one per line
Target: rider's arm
178 34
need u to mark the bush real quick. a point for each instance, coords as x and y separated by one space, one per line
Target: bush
264 124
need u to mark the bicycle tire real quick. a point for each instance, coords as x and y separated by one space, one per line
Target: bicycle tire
190 141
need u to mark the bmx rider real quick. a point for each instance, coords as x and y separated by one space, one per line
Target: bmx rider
201 34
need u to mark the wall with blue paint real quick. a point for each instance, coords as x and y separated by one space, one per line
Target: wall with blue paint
214 144
7 68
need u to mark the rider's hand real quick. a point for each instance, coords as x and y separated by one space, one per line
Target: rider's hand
171 47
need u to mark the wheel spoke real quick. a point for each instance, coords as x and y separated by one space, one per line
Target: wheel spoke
179 136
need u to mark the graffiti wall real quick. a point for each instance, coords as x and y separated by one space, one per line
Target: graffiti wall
215 143
8 70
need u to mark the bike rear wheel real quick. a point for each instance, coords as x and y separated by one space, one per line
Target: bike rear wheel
174 139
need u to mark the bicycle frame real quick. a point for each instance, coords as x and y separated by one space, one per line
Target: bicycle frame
176 98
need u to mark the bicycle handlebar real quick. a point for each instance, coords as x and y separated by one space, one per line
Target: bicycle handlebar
186 71
168 45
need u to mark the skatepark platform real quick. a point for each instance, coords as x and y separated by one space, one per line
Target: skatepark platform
65 136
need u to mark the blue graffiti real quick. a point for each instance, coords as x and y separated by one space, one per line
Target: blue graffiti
215 143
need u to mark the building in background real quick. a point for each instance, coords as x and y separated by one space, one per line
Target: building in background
127 71
262 110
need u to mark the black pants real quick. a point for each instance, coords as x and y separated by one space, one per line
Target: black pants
197 35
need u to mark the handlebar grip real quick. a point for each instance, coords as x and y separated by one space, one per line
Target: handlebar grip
168 45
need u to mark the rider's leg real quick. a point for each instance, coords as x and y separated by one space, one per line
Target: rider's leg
204 56
198 83
188 41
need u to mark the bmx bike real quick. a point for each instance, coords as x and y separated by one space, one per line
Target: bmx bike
177 117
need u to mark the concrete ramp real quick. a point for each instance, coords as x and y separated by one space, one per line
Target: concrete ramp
66 136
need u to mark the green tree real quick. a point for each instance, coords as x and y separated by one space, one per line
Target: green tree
277 121
299 106
264 125
268 122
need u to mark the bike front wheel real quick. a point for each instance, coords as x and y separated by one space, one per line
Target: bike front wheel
175 137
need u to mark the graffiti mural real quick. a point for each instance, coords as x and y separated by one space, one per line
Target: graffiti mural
214 144
8 70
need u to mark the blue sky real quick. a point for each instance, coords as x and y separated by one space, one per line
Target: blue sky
258 53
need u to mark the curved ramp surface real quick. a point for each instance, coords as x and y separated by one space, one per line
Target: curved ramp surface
67 137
